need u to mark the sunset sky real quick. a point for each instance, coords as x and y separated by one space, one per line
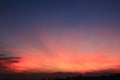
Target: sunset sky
61 35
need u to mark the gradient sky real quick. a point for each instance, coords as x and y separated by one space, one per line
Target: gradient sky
62 35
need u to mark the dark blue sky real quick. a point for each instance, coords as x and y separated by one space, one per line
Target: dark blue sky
25 15
70 12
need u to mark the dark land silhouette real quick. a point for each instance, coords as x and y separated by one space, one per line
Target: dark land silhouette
59 76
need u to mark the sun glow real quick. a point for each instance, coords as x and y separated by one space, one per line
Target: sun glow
67 53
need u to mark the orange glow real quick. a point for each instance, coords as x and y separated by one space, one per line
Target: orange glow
69 62
69 53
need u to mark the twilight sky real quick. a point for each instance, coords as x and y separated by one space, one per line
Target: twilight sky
62 35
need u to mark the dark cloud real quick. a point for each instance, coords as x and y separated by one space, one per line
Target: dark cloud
7 59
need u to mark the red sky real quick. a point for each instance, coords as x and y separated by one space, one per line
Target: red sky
74 51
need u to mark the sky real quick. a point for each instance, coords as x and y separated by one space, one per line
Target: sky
61 35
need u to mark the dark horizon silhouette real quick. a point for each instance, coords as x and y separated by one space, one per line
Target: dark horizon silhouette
59 76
